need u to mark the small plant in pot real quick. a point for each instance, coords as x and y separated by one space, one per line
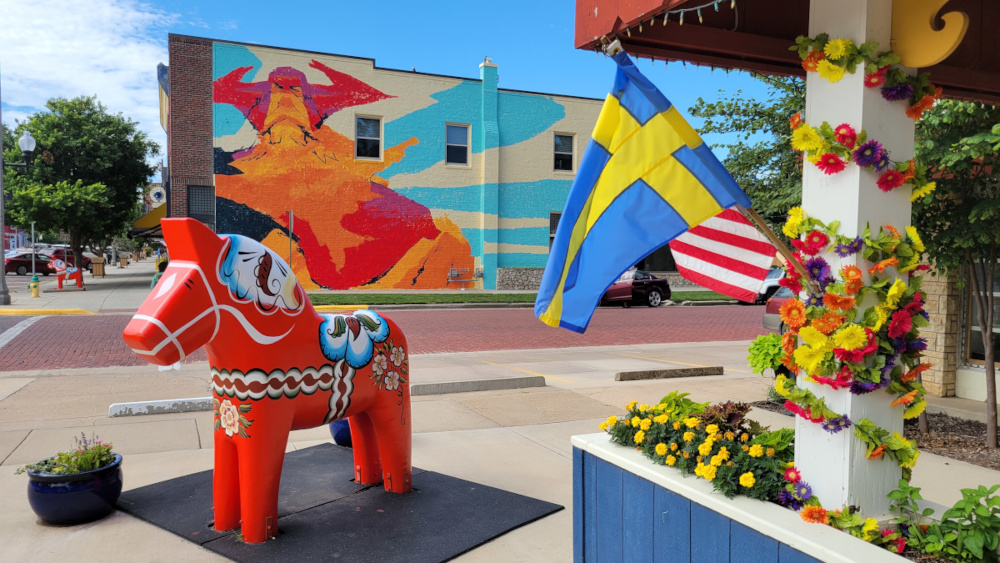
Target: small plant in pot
75 486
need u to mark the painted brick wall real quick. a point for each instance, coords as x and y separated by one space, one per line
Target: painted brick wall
189 148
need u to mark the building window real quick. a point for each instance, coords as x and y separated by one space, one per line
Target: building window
201 204
553 225
975 350
564 152
368 137
457 144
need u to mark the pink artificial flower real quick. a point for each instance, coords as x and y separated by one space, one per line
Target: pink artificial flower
900 324
877 78
830 164
890 180
846 135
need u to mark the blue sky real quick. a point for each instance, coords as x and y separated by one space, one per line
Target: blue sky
110 48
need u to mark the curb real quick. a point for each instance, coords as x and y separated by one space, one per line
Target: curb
36 312
667 373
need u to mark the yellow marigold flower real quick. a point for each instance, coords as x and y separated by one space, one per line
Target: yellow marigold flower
729 435
661 449
686 455
670 460
712 429
745 437
603 426
836 49
914 410
747 480
645 425
661 407
631 405
624 422
895 292
692 422
708 473
922 191
830 71
688 436
769 452
745 448
635 421
643 408
673 446
806 138
813 337
698 459
639 437
661 419
850 337
869 529
756 450
698 469
723 453
915 241
729 464
677 425
716 460
612 420
794 221
705 448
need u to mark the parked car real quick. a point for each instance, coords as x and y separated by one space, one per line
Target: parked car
770 285
20 263
637 286
66 255
772 310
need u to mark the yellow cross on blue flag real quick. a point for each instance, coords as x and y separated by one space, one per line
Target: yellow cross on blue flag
645 178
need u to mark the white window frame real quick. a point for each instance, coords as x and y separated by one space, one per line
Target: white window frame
468 145
381 136
572 155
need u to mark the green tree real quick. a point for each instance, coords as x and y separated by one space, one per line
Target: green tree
82 146
760 157
960 220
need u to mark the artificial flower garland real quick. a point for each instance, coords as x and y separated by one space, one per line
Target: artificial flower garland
832 58
831 149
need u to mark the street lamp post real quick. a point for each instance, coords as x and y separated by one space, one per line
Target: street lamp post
27 144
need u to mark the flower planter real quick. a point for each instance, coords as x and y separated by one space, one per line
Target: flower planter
627 509
76 498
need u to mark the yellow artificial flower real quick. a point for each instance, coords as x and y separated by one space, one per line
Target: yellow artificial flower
813 337
688 436
677 425
836 49
645 425
692 422
794 221
631 405
882 314
603 426
915 241
756 450
612 420
661 449
808 358
747 480
806 138
869 529
705 448
639 437
850 337
670 460
730 436
779 387
673 446
712 429
895 292
830 71
635 421
914 410
922 191
911 264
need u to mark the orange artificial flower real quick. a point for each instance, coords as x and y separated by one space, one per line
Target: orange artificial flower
913 373
793 313
828 323
877 268
877 453
853 286
815 514
905 399
811 62
910 172
851 272
795 121
892 230
834 301
789 342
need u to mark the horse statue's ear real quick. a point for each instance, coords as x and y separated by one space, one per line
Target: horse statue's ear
189 239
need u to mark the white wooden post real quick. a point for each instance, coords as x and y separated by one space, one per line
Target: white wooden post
835 464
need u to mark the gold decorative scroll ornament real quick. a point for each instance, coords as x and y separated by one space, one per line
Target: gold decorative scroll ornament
914 38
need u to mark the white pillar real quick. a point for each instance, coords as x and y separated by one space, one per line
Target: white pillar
835 464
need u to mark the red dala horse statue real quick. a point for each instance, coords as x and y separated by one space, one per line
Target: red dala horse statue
277 366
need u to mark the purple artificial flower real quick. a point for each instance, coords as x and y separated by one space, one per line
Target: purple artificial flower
844 422
862 387
818 270
868 153
846 249
831 426
898 345
890 363
918 345
856 245
898 92
883 162
802 491
785 498
814 300
925 316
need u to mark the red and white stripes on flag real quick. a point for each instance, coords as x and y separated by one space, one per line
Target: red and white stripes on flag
725 254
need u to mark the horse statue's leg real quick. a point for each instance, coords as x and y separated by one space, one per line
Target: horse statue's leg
367 468
226 484
392 428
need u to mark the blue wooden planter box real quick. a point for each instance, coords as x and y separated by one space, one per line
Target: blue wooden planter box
627 509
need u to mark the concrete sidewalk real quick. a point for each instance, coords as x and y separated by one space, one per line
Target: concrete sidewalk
513 439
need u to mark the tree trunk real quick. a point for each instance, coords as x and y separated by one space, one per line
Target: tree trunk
76 244
983 294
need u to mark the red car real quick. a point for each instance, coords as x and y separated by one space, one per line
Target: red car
772 311
637 286
20 264
66 255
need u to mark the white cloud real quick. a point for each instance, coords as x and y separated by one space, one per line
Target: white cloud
69 48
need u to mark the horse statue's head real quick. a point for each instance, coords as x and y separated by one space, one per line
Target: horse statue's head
212 280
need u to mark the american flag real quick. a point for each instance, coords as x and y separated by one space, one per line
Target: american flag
725 254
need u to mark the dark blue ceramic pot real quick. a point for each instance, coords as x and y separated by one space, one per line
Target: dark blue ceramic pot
77 498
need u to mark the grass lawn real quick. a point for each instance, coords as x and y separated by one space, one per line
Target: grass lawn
364 298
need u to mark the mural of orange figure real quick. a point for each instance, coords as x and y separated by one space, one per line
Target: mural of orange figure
352 230
277 366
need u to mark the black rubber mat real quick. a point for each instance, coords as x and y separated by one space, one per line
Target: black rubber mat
323 515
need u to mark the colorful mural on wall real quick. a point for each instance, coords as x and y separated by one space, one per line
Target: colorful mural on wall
351 230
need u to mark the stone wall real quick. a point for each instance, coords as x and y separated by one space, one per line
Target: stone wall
524 279
942 334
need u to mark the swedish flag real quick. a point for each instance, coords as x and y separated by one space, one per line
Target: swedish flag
645 178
